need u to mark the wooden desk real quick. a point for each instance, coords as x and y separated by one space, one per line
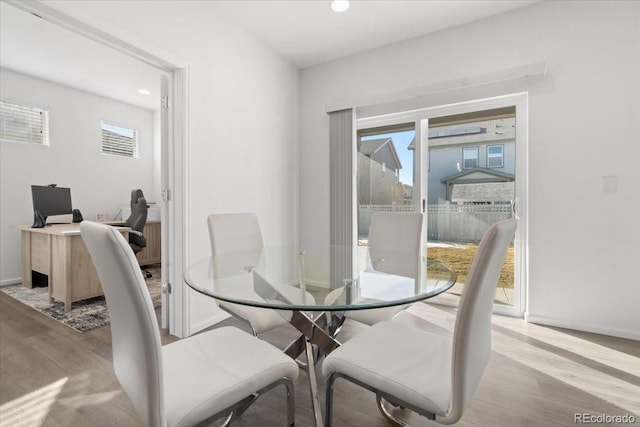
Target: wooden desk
59 252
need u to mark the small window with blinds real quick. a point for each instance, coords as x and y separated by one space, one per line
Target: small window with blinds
23 123
469 157
119 141
495 156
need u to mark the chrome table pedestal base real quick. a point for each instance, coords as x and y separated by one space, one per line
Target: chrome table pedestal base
316 340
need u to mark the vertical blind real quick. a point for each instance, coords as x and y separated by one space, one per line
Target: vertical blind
21 123
118 140
341 158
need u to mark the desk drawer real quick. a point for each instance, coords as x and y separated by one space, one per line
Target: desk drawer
40 259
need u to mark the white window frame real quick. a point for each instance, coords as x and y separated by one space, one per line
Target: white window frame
24 124
117 143
501 155
476 158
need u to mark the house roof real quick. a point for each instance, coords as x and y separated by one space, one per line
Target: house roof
371 146
483 192
478 175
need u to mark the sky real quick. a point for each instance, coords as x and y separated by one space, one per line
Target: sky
401 141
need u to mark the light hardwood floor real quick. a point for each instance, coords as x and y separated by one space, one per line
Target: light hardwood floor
51 375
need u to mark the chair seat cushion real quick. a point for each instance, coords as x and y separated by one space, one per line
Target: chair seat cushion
374 315
241 287
261 319
209 372
264 319
411 364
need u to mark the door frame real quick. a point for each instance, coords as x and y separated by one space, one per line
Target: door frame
421 116
175 225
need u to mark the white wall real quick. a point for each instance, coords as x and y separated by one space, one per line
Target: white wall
99 183
243 120
584 122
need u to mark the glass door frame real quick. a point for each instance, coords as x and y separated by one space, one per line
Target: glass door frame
421 119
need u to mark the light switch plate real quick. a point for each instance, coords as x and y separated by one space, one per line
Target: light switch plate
609 184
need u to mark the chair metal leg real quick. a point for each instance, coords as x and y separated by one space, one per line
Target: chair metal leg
291 403
230 418
245 404
387 415
328 409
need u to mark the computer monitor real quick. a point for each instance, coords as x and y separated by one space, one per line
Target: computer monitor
48 201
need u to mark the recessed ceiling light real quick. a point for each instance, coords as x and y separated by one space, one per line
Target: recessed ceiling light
339 5
144 91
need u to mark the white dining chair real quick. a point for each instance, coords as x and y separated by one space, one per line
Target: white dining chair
394 248
214 374
238 236
240 233
433 375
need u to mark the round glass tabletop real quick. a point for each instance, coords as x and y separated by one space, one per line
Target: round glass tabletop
332 279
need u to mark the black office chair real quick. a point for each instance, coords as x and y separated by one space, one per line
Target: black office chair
136 222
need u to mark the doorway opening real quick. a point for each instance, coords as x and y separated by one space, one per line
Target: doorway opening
172 130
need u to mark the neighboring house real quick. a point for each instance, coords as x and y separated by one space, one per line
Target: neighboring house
471 162
378 173
479 186
382 151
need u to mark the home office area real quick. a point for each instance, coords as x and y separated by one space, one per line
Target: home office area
518 123
74 141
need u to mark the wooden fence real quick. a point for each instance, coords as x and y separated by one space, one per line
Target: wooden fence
446 222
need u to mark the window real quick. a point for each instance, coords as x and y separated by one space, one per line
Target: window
495 156
21 123
469 157
119 141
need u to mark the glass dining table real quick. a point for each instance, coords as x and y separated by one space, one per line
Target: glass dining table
315 289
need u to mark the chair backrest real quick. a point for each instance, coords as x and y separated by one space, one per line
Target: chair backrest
472 331
138 217
234 232
394 243
236 242
135 335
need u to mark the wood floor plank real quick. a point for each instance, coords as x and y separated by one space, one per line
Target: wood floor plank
10 389
53 376
68 354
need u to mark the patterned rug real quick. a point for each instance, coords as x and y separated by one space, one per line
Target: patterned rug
84 315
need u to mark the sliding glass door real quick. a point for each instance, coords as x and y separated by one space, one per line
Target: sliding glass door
467 171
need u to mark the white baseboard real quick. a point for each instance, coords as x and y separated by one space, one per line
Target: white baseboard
14 281
317 283
208 322
562 323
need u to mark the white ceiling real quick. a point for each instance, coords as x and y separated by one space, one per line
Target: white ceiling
39 48
306 32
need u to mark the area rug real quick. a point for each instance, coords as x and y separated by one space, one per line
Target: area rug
84 315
